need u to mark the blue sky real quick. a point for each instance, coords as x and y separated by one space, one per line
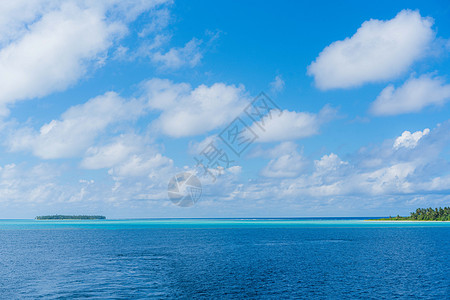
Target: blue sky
101 104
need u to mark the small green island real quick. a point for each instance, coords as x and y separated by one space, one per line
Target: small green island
423 214
68 217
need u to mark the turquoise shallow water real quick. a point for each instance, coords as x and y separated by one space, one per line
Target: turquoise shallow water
224 259
212 223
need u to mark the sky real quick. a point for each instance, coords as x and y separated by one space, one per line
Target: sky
102 103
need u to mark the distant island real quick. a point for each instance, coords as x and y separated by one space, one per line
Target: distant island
65 217
423 214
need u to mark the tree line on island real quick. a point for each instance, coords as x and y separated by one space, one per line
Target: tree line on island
425 214
66 217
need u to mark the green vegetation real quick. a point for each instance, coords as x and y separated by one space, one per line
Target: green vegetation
62 217
424 214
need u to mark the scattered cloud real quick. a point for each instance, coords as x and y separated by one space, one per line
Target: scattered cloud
378 51
286 161
408 140
194 148
77 129
160 20
189 55
187 112
412 171
48 46
277 85
21 184
128 155
52 44
280 149
15 15
289 179
142 165
291 125
414 95
328 163
111 154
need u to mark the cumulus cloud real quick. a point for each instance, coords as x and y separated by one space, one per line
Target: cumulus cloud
291 125
186 111
287 165
77 128
46 46
289 182
127 155
286 161
328 163
111 154
142 165
413 172
379 50
408 140
399 172
414 95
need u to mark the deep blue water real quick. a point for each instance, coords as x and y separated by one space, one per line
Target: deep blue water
224 259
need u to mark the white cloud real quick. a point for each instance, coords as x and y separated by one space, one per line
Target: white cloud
378 51
408 140
142 165
413 172
388 180
46 46
235 170
27 191
414 95
128 155
188 112
189 55
328 163
194 148
15 15
161 19
111 154
77 128
126 10
163 94
406 172
21 184
120 53
411 177
175 58
280 149
285 162
291 125
277 85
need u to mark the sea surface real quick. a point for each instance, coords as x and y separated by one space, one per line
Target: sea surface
344 258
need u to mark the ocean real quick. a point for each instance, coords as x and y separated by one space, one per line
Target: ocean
340 258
